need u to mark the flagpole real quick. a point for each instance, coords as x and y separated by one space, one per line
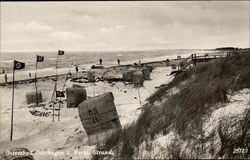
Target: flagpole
12 112
62 91
36 85
56 71
55 87
67 77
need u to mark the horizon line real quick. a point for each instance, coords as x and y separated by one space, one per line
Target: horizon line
119 50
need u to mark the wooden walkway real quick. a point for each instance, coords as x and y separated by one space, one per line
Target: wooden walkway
193 59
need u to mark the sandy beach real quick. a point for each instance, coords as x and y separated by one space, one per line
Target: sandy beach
124 80
39 134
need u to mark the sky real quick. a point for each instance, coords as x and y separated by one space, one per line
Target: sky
127 25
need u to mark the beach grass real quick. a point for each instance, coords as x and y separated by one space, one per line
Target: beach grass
200 89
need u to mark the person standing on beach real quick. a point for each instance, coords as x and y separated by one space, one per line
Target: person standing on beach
118 61
77 70
100 60
29 74
6 78
167 62
3 71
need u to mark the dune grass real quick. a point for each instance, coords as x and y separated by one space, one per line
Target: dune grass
206 85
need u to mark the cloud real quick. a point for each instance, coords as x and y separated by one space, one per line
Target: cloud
31 26
34 31
126 25
36 35
35 26
65 35
113 28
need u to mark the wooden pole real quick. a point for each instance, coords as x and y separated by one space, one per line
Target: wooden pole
93 89
56 72
36 85
139 96
53 120
12 109
67 77
55 88
58 115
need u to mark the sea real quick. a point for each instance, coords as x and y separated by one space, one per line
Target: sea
84 59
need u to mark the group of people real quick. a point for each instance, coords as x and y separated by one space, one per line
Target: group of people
118 61
76 68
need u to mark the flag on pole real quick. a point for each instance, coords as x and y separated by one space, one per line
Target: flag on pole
39 58
18 65
59 94
60 52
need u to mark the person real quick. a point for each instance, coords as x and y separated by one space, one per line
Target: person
77 69
167 62
29 74
100 60
118 60
3 71
6 78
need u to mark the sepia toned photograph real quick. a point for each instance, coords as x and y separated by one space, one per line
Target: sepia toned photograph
124 80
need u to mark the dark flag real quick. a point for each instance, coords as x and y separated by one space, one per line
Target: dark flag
39 58
18 65
59 94
60 52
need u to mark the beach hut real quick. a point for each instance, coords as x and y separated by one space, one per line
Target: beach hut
138 79
146 73
150 67
31 97
91 76
128 75
97 67
178 57
99 117
173 66
75 96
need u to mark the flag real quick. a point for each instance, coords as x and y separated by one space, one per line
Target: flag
18 65
60 52
59 94
39 58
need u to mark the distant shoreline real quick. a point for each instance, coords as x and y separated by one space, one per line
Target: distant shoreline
151 63
64 75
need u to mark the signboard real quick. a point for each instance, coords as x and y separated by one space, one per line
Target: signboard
99 114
